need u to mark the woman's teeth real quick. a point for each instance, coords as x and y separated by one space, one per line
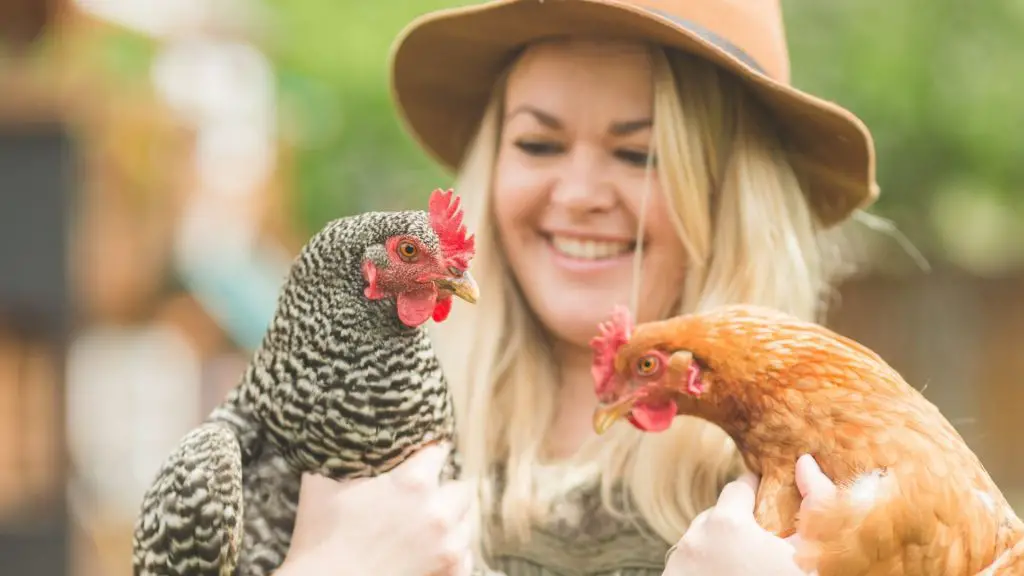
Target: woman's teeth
589 249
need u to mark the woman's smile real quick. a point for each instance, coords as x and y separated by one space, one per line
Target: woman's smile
581 253
572 186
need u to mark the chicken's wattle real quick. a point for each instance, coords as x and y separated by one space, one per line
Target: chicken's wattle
653 417
415 307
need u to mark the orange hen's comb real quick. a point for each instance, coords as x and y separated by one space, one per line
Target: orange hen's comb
446 219
612 335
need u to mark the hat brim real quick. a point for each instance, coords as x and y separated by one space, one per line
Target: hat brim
444 66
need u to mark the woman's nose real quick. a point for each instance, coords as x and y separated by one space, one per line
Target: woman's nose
583 185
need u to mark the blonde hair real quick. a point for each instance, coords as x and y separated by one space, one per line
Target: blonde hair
719 155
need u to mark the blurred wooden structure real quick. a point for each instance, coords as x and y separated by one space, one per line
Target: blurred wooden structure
80 173
36 317
37 187
127 165
23 22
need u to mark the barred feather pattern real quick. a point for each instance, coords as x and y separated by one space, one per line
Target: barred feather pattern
339 387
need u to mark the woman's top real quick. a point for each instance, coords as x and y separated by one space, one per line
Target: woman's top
580 538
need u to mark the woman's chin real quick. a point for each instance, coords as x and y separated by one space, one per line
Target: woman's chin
575 320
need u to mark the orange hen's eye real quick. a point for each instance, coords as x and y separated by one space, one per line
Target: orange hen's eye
647 365
407 250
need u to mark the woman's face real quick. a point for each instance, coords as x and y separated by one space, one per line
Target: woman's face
569 182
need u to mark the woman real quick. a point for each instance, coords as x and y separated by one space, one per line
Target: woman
572 126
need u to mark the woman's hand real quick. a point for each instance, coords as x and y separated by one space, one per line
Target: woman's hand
401 523
814 486
725 539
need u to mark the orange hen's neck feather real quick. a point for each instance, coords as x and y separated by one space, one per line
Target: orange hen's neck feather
771 380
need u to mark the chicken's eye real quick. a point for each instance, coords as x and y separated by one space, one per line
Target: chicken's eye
455 271
407 250
647 365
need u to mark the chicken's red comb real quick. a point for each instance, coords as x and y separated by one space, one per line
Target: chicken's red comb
612 335
446 219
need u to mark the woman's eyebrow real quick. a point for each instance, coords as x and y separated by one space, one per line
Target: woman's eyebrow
629 126
621 128
543 117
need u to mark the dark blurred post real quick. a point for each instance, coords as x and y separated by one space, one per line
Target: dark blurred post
22 22
37 189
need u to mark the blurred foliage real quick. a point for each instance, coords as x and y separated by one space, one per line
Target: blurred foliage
332 61
937 81
126 55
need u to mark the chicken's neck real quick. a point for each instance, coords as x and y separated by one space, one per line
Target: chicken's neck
317 344
747 419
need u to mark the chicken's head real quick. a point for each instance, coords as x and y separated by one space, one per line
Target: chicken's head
423 267
639 379
698 363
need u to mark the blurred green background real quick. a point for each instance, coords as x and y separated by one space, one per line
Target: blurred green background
937 81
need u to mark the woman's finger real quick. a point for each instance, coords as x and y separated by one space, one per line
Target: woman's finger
464 568
739 495
315 488
456 549
694 536
810 480
455 499
467 564
461 537
700 520
423 468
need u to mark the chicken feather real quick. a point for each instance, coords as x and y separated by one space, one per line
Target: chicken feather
912 498
345 384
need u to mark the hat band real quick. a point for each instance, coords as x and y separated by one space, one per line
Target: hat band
713 38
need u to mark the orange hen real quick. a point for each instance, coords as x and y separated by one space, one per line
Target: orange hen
912 500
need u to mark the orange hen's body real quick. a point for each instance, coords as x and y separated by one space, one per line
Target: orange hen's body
913 499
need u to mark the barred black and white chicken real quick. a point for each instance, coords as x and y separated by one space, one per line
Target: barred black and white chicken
345 384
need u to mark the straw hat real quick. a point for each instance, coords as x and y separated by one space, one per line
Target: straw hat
444 65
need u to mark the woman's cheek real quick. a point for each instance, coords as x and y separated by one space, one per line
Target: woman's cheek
665 271
512 189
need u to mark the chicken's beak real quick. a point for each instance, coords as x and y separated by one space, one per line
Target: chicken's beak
464 287
607 414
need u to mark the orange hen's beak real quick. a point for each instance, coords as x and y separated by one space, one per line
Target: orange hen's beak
607 414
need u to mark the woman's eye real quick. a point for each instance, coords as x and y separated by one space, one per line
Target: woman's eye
636 157
536 148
